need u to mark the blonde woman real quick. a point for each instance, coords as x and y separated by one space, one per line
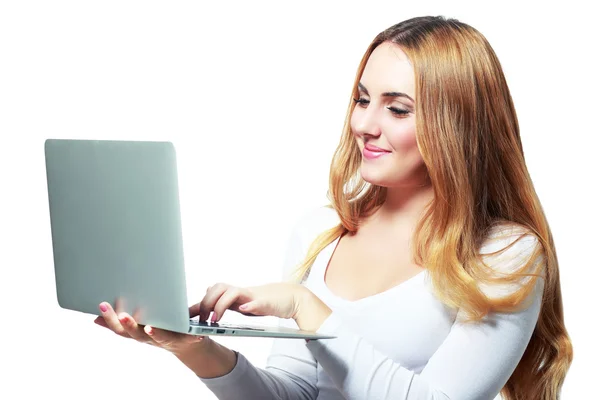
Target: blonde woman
433 265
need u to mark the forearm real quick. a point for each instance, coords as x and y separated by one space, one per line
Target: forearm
246 381
312 311
209 360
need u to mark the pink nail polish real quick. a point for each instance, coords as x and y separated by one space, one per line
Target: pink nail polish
103 307
214 318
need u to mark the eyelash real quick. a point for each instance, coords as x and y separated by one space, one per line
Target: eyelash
394 110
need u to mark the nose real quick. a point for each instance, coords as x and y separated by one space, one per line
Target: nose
367 122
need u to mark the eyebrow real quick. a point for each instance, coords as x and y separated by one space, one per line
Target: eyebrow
386 94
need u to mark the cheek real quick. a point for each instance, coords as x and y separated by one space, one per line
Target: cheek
403 139
353 123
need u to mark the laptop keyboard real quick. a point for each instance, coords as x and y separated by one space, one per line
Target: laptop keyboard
195 322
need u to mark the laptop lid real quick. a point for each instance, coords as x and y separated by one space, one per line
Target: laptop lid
116 228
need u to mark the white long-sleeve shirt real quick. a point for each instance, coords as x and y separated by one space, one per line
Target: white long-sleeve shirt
402 343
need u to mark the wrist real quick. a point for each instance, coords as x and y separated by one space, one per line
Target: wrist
311 311
208 359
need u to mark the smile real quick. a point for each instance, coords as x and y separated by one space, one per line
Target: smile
371 155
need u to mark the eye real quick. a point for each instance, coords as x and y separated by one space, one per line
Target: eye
398 111
362 101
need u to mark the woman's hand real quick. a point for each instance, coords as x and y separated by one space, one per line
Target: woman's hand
283 300
206 358
277 299
126 326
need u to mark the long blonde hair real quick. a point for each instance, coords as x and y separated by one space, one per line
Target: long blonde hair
468 134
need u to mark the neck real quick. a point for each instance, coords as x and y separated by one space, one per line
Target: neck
405 204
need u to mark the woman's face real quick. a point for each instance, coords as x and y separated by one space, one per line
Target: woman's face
383 120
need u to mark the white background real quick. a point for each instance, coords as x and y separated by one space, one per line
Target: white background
253 94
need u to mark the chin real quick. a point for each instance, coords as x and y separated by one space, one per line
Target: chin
377 178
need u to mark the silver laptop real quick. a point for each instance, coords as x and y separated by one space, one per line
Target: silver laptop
116 235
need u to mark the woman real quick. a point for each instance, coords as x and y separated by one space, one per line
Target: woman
434 265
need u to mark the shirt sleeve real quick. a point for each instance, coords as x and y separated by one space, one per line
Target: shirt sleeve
473 363
291 369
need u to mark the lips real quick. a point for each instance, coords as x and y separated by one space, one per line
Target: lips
371 152
375 149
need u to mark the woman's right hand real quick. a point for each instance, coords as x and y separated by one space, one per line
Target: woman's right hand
126 326
205 357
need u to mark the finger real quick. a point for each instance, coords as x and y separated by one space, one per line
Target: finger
118 305
255 308
210 299
195 309
111 319
133 329
231 299
137 314
100 321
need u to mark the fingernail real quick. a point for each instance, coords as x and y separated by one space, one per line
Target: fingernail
243 306
103 307
149 330
214 318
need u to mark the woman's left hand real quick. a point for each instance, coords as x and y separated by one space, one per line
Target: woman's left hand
283 300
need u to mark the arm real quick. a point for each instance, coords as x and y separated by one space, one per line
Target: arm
246 381
474 362
290 374
291 370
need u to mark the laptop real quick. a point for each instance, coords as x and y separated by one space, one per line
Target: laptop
116 235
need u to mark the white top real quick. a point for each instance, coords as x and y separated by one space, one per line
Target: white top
399 344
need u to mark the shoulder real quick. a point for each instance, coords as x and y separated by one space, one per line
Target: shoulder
511 250
308 226
508 246
315 221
